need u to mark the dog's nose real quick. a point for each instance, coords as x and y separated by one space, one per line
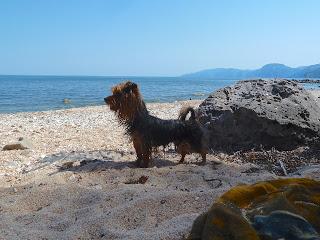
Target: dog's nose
106 99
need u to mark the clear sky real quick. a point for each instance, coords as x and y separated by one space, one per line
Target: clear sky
155 37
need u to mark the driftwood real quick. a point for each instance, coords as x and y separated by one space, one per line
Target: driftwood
282 167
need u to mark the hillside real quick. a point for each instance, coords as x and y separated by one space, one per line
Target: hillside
273 70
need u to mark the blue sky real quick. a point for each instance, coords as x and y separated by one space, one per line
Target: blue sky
155 37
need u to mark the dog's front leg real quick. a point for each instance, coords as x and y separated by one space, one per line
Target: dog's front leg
204 157
182 158
183 149
137 146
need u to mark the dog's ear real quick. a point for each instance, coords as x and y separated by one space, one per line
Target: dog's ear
132 85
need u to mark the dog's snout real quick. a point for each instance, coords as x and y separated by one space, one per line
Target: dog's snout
106 99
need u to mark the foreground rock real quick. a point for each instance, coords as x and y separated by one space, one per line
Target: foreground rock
255 211
268 113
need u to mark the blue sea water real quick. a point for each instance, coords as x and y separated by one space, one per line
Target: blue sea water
40 93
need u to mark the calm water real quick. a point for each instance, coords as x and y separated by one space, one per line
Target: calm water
40 93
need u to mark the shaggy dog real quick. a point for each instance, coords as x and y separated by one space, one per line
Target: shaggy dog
148 132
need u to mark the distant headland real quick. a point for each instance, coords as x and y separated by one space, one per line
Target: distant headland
273 70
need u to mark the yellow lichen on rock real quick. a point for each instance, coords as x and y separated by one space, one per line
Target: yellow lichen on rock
236 213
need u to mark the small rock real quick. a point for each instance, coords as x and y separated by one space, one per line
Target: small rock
66 101
22 144
13 146
66 165
72 177
142 180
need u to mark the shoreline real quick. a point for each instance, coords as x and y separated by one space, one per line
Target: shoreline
314 92
99 105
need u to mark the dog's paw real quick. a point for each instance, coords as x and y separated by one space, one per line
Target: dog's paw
202 163
137 163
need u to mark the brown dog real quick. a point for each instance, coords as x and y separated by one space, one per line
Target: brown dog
147 131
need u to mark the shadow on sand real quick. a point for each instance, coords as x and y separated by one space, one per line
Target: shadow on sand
100 160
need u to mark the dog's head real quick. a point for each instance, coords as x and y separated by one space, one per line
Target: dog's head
125 100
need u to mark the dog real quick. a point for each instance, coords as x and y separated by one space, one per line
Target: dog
148 132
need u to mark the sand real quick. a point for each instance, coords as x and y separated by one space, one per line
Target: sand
79 181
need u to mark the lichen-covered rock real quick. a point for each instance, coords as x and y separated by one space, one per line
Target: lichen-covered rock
254 113
251 212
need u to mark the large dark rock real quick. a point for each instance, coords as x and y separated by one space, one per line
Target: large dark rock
253 113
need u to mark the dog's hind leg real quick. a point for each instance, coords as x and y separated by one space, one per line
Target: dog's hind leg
183 149
146 155
182 157
204 157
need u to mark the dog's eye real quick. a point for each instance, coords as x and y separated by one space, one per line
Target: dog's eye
127 90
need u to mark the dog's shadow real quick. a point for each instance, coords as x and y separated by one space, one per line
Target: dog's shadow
99 160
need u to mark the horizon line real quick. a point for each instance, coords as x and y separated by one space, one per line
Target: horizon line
146 76
89 75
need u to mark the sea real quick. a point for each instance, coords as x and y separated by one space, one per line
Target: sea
42 93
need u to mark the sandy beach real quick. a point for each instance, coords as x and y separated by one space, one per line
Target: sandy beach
78 181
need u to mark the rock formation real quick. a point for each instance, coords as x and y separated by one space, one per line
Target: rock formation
254 113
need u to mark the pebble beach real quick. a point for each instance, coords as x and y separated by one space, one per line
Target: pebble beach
64 131
78 180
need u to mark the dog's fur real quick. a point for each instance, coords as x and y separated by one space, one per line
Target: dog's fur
148 132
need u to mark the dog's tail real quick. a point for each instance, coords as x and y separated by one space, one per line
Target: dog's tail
184 112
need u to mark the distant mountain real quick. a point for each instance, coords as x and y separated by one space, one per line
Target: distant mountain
273 70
